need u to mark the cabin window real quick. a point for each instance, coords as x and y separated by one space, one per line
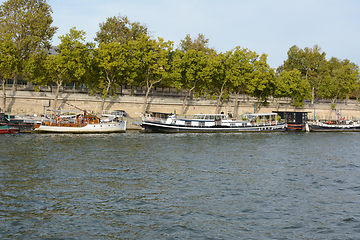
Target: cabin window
188 123
212 117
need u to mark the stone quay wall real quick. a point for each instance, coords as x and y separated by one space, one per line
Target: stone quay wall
31 103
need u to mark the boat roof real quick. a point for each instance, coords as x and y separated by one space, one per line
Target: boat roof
63 111
260 114
210 114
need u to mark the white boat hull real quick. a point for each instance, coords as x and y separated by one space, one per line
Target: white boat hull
110 127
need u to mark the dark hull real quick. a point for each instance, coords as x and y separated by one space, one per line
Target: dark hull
167 128
23 127
334 128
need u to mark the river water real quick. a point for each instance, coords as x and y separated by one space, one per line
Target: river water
180 186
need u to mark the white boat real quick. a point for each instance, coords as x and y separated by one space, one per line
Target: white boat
81 123
265 122
334 126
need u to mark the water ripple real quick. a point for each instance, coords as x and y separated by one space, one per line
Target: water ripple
187 186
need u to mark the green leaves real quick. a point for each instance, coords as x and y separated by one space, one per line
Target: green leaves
340 78
28 22
290 84
119 29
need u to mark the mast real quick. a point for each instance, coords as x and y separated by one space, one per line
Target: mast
85 112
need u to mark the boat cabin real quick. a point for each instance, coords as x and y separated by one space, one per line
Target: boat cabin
213 117
295 120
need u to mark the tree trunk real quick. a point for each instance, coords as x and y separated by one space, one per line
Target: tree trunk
184 102
4 95
312 94
14 86
187 94
236 105
59 84
149 86
104 97
346 98
145 101
218 103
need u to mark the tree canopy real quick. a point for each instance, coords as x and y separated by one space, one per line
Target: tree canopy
126 54
28 23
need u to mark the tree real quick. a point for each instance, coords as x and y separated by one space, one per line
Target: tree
8 61
199 44
119 29
290 84
240 68
150 60
188 71
111 62
216 77
307 61
71 63
262 83
340 78
189 63
28 22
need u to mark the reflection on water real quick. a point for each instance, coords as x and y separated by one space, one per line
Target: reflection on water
165 186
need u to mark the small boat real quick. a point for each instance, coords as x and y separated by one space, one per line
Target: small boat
334 126
81 123
263 122
24 125
7 130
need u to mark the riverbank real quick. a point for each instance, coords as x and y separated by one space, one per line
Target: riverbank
31 103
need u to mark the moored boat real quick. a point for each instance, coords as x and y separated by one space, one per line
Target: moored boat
266 122
7 130
334 126
296 121
17 123
81 123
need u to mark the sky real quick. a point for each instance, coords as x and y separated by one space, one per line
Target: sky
263 26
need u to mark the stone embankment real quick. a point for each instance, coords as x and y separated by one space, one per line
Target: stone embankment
30 103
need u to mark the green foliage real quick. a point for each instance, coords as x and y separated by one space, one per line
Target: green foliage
111 68
28 24
188 70
340 78
8 57
290 84
308 62
149 62
200 44
262 82
119 29
127 55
